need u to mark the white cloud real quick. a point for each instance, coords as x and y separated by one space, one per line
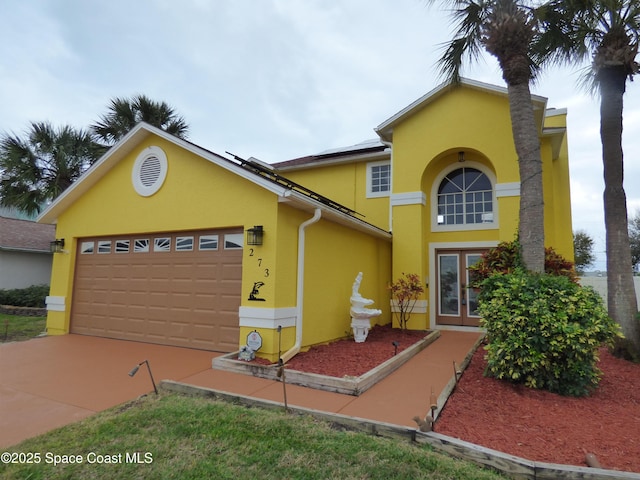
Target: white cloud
275 79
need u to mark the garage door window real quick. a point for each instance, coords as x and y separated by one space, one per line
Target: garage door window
87 248
162 244
104 246
184 244
208 242
122 246
233 241
141 245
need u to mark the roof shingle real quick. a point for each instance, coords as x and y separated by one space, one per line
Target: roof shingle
25 235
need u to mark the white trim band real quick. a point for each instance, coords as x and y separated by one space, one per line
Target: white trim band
408 198
55 304
256 317
508 189
419 307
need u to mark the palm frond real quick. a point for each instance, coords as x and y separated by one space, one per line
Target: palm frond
468 17
124 114
39 166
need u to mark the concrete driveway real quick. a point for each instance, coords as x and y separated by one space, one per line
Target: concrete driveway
49 382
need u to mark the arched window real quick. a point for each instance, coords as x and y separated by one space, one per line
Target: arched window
465 197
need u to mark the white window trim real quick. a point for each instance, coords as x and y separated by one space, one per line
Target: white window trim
435 227
370 165
140 188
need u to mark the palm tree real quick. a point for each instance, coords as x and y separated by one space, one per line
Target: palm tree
506 29
605 32
36 169
124 114
634 239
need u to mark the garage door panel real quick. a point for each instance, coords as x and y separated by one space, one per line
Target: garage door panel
186 298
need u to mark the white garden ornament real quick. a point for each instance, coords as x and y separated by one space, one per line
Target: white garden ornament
360 314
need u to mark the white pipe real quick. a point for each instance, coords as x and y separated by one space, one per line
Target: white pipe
390 145
300 285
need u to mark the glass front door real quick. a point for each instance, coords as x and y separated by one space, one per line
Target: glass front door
457 304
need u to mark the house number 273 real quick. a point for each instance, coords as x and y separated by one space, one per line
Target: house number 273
266 270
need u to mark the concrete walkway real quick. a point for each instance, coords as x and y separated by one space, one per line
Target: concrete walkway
52 381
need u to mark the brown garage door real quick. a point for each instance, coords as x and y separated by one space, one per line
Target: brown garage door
179 289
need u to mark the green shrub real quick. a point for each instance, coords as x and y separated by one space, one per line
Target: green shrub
544 331
506 258
33 296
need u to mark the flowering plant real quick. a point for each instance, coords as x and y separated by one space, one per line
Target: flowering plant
405 291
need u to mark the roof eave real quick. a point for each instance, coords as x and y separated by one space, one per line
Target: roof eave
385 129
24 250
302 202
94 173
556 136
123 148
335 160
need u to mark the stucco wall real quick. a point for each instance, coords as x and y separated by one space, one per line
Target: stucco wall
347 185
337 254
196 194
21 269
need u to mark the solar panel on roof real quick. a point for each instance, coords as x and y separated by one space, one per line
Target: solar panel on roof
267 172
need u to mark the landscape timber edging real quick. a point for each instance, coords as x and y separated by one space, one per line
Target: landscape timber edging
510 465
346 385
453 382
23 311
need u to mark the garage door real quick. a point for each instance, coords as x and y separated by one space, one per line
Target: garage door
180 289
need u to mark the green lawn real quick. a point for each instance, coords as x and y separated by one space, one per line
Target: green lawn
16 328
171 436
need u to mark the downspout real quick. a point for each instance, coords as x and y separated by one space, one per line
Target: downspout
300 285
390 145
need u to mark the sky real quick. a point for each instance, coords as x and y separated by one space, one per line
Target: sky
271 79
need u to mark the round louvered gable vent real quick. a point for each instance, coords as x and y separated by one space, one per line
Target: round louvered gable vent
149 171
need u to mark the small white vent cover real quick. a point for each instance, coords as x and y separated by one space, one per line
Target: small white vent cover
149 171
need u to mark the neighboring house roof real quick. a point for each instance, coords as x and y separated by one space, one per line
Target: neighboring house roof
252 170
11 212
385 129
25 235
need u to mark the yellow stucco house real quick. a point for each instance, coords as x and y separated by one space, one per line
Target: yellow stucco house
161 236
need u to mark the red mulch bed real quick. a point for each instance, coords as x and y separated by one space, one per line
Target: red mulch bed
546 427
348 358
532 424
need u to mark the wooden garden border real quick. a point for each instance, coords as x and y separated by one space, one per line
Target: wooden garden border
346 385
453 382
512 466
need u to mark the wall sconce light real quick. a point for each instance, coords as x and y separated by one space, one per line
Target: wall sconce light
57 246
135 369
461 156
255 235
